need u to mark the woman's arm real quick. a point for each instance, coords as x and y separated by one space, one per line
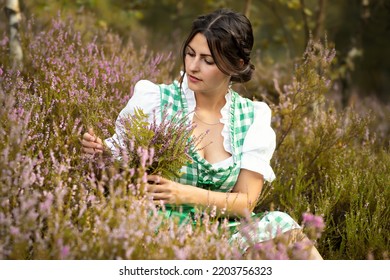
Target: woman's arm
240 202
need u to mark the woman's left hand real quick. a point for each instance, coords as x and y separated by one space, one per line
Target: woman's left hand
164 191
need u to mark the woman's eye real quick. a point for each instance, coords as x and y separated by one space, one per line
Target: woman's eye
190 54
209 62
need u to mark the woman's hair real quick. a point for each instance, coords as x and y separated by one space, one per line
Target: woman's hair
229 36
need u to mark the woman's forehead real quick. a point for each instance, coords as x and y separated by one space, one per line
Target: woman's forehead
199 45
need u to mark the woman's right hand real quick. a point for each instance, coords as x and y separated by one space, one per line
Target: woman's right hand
91 143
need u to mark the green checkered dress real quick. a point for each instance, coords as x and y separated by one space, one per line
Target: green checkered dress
202 174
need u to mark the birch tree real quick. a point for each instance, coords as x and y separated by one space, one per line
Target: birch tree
12 10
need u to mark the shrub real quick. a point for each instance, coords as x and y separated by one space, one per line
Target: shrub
329 162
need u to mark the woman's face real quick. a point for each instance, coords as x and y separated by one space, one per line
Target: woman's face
202 73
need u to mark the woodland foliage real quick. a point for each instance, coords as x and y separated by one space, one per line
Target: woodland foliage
56 203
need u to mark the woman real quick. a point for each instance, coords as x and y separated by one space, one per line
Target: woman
229 172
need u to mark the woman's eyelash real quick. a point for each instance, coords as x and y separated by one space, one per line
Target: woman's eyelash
192 54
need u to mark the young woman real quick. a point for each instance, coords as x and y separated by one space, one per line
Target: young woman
229 172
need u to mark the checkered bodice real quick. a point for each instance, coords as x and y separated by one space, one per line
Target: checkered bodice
199 172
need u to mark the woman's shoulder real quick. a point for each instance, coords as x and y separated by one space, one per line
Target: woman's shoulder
260 141
262 113
260 108
146 86
146 96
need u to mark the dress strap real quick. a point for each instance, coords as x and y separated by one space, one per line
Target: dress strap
241 118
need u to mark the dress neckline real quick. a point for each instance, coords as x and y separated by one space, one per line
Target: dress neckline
227 112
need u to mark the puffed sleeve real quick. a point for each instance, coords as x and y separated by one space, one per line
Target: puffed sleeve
259 143
146 96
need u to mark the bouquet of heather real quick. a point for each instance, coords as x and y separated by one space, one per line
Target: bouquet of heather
157 148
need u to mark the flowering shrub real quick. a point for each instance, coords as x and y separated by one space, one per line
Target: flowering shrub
57 204
330 161
163 148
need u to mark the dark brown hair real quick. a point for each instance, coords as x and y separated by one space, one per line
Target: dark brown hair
229 36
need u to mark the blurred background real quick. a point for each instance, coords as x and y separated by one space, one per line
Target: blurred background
359 30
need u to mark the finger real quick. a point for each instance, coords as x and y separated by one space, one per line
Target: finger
90 144
159 196
98 151
92 134
149 188
99 141
92 151
153 188
154 179
89 137
90 131
89 151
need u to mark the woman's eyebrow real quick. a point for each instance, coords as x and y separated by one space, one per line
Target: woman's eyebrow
202 54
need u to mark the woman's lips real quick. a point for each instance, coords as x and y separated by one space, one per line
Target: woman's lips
193 79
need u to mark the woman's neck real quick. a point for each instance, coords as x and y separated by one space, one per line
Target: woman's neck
210 102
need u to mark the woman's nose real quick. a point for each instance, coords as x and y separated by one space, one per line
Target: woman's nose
193 64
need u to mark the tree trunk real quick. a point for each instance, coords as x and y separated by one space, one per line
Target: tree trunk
320 19
247 9
305 22
12 10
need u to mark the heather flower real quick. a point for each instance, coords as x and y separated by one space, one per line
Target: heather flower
64 250
157 148
14 231
181 253
301 250
314 225
311 220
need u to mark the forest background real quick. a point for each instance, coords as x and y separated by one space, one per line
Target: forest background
331 115
358 29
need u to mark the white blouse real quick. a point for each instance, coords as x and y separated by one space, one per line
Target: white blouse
259 143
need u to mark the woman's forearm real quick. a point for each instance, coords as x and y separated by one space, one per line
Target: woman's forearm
232 203
240 202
